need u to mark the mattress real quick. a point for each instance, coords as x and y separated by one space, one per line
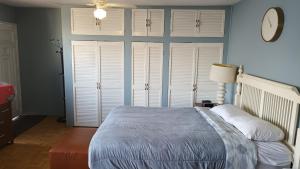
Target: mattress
170 138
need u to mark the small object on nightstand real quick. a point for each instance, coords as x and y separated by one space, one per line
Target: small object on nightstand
206 103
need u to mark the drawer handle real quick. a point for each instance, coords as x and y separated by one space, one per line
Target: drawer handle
2 135
5 110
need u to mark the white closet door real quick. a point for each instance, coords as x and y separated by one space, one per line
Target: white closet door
183 22
212 23
113 24
139 17
155 56
207 55
156 17
139 73
182 59
85 78
112 76
83 21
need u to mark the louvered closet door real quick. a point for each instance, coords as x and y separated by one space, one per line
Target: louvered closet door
85 78
83 21
139 17
182 59
183 22
156 17
113 24
112 76
139 74
212 23
207 55
155 56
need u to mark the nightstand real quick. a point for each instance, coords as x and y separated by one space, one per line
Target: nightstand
206 104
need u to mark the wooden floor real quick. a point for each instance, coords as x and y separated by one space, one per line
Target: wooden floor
30 150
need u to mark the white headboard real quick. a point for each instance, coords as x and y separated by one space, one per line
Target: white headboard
272 101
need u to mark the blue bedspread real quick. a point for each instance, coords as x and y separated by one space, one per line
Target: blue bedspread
157 138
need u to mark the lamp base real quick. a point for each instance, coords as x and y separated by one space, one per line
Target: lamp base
221 93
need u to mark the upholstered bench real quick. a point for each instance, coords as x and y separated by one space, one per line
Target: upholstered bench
71 152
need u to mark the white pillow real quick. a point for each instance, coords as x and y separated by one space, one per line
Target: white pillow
226 111
252 127
273 153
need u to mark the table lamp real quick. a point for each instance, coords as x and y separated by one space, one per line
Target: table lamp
222 73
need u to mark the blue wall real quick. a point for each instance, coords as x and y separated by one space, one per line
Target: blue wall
39 64
7 14
127 38
278 61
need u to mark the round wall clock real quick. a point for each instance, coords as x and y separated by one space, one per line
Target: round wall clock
272 24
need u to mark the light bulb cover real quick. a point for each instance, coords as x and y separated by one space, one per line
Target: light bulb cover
99 13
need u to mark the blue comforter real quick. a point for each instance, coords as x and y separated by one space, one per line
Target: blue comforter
158 138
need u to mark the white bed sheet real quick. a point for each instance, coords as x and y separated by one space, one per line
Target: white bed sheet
273 153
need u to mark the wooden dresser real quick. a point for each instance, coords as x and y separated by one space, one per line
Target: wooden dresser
6 134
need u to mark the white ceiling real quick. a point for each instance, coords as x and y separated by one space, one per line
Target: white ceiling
59 3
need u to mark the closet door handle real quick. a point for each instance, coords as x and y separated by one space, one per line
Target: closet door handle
194 87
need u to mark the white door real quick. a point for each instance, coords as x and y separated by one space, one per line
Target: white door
156 22
85 83
113 23
83 22
182 70
139 21
212 23
183 22
9 63
155 60
147 74
112 76
139 74
207 55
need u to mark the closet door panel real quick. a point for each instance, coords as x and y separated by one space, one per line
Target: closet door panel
155 54
139 74
85 78
83 21
207 55
181 75
113 24
112 76
212 23
183 22
139 17
86 106
156 17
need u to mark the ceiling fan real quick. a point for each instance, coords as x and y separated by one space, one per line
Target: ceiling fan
101 5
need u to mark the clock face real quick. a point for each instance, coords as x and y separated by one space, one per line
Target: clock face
272 24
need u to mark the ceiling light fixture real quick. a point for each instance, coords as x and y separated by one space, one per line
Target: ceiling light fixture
99 13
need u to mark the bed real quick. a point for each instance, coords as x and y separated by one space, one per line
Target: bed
190 138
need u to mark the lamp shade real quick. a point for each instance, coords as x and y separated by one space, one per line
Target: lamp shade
223 73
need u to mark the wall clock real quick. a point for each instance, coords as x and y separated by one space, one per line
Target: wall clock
272 24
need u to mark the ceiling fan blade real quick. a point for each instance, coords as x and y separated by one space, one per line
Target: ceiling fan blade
90 4
116 5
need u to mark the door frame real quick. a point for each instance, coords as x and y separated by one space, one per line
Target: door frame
13 28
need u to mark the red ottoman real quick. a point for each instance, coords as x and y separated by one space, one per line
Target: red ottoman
71 152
